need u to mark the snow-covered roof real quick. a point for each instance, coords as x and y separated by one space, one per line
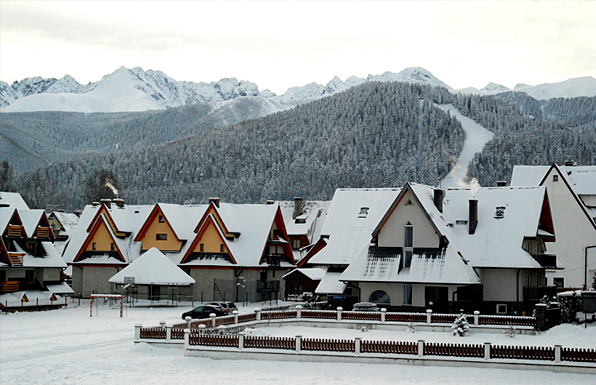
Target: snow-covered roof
330 284
582 179
314 273
13 200
61 288
153 267
309 222
6 214
129 217
252 222
30 219
68 220
352 216
496 242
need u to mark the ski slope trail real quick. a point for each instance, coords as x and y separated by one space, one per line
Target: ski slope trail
476 137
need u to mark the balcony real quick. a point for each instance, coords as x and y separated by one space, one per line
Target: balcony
16 259
43 233
14 231
548 261
274 260
537 293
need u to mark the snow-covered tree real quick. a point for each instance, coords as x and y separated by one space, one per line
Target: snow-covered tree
461 325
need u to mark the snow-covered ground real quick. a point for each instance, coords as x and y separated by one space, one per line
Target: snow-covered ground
476 138
68 347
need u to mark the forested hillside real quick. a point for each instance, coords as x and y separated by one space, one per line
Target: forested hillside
364 137
536 133
33 139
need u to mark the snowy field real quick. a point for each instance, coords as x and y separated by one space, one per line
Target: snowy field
68 347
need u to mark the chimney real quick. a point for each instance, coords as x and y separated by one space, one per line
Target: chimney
95 204
570 163
438 199
473 218
298 206
118 201
107 202
269 202
501 183
215 201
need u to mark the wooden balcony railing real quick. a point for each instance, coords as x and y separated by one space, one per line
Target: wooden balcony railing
14 231
16 259
43 232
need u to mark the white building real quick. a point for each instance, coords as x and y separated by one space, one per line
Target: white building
571 192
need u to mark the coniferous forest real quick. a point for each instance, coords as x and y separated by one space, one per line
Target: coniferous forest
366 136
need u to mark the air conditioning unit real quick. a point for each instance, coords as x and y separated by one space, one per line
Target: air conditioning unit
501 308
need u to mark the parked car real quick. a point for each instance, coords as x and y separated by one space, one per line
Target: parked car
228 306
204 311
366 306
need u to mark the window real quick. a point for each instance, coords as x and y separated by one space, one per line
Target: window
94 246
112 247
296 244
555 178
222 248
408 261
409 241
407 294
161 219
263 276
409 203
363 212
501 308
379 296
202 247
559 282
161 237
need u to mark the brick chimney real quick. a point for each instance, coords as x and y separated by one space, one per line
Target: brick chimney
473 217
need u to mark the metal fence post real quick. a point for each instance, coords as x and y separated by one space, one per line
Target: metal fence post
487 350
420 348
383 314
240 341
476 318
339 310
138 332
357 342
168 332
429 315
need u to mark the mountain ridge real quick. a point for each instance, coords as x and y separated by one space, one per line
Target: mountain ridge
132 90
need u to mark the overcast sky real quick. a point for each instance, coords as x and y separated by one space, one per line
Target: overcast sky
283 44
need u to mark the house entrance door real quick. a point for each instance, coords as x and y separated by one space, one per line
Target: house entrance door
436 299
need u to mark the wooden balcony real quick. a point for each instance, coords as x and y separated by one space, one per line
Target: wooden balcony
10 286
548 261
43 233
16 259
14 231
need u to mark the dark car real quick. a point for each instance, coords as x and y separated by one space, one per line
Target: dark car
228 306
204 311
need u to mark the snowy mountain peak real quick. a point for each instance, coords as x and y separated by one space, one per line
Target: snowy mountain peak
494 87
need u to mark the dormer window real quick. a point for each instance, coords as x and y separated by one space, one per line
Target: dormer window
500 212
161 219
363 212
